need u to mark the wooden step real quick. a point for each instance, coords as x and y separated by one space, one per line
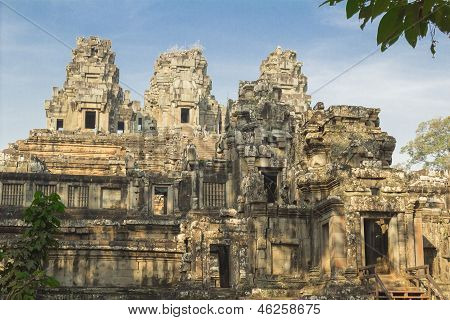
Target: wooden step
407 294
406 289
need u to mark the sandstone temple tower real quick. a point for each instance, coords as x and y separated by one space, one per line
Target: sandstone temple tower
180 93
91 98
183 197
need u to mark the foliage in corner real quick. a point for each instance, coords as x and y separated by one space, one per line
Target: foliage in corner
431 147
22 269
412 18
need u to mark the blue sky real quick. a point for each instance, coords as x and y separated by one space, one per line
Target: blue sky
409 86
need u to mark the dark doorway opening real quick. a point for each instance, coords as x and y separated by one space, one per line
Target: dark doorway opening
376 243
222 253
429 254
120 126
270 185
59 124
89 120
139 124
184 115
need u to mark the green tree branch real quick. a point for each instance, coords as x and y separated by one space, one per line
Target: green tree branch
22 265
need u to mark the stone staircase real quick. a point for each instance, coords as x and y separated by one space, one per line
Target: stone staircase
415 284
206 147
81 156
399 288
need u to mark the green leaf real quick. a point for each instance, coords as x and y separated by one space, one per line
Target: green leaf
352 8
427 5
379 7
51 282
423 28
38 195
21 275
325 2
364 23
389 43
390 25
443 20
411 25
364 14
330 2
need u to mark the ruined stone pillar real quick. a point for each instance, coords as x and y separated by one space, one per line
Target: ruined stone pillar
200 190
316 242
95 196
229 191
62 190
194 198
170 200
354 224
29 193
410 239
401 240
337 245
418 239
393 245
196 115
146 196
362 242
175 196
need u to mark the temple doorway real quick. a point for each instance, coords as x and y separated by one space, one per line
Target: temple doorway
429 255
220 265
376 244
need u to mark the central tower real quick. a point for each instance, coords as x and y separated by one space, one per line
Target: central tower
180 92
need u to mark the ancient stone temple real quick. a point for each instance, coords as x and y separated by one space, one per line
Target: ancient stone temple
186 198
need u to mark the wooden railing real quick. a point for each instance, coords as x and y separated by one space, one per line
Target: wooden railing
369 272
417 277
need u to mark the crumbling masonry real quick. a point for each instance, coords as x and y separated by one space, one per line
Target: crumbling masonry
185 198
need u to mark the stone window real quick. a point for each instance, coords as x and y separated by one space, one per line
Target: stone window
375 191
59 124
213 195
270 185
139 124
89 120
284 259
120 127
78 197
184 115
12 194
46 189
159 200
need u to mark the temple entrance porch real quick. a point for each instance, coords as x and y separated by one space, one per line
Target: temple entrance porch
379 243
